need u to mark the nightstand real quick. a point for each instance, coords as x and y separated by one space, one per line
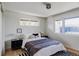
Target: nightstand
16 44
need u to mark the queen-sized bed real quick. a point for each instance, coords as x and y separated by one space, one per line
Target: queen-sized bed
43 47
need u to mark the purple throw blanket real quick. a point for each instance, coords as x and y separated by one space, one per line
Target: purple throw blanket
34 46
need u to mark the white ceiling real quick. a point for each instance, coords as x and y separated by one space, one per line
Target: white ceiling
38 8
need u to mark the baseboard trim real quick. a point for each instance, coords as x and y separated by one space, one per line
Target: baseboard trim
72 50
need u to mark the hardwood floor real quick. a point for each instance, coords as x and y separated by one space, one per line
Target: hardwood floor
18 52
74 52
10 52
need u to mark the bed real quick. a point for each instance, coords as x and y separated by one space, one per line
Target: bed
43 47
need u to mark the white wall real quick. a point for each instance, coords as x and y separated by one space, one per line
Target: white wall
0 31
3 33
12 23
69 40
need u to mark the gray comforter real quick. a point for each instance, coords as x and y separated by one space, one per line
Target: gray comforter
34 46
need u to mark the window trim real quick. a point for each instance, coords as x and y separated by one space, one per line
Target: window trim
63 24
71 17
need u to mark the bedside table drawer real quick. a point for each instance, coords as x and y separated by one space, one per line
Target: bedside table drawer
16 44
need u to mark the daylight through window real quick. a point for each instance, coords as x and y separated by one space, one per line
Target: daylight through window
71 26
28 23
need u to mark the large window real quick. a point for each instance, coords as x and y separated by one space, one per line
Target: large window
58 26
72 26
69 26
28 23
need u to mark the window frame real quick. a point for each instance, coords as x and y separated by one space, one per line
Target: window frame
63 25
31 25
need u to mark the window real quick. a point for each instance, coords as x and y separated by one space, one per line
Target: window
58 26
28 23
72 26
68 26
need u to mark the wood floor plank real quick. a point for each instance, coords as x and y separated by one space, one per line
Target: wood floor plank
10 52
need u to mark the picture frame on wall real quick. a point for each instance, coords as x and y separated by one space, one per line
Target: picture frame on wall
19 30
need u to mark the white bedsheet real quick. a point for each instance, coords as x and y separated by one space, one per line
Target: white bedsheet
50 50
